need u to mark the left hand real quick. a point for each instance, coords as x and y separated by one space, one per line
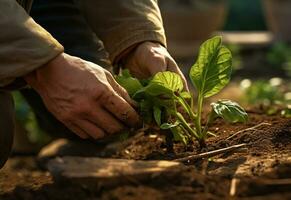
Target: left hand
149 58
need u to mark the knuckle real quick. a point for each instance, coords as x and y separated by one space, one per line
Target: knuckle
106 95
66 116
115 129
107 73
82 106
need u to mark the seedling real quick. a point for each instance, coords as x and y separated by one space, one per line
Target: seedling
163 99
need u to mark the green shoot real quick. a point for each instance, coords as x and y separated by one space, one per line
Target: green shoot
160 97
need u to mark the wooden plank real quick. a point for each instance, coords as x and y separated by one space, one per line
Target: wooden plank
98 171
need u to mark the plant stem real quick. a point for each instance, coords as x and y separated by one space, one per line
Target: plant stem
186 125
198 118
186 107
210 119
187 134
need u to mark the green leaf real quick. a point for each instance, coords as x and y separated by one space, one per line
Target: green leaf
164 83
154 89
166 126
130 84
179 135
169 80
185 95
229 111
212 70
157 115
146 109
125 73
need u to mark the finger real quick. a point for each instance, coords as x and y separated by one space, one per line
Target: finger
173 67
120 90
91 129
77 130
158 64
122 110
103 119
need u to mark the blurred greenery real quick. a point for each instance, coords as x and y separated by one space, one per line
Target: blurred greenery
286 112
261 92
270 94
245 15
237 61
280 56
27 120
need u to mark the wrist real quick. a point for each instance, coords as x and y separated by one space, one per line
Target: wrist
123 56
119 60
34 78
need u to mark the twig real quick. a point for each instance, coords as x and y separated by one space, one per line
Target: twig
210 153
249 129
233 185
286 181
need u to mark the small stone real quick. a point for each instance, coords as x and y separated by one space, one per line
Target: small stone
153 136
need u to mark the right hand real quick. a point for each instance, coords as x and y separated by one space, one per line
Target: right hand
83 96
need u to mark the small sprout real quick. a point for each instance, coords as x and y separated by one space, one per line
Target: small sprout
160 97
166 126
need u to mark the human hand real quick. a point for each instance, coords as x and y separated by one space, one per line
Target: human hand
83 96
149 58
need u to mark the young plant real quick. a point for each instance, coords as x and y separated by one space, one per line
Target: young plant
162 99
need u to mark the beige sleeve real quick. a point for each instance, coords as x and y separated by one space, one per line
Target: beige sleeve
24 45
123 23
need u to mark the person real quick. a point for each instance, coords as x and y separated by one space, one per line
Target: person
68 93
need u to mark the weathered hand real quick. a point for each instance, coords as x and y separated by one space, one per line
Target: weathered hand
83 96
149 58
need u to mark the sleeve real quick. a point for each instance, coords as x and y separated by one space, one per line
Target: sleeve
24 45
121 24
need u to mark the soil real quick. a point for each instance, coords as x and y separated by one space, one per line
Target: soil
262 171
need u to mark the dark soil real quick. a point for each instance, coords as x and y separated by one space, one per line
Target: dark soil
262 171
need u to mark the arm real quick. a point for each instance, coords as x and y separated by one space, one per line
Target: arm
24 45
121 24
133 34
80 94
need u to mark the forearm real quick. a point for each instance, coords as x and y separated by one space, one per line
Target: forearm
120 24
24 45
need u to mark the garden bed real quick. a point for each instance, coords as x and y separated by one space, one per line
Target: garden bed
260 171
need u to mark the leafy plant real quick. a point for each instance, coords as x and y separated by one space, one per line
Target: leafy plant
163 99
286 112
271 95
280 56
262 92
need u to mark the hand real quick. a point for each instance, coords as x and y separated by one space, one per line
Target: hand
83 96
149 58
